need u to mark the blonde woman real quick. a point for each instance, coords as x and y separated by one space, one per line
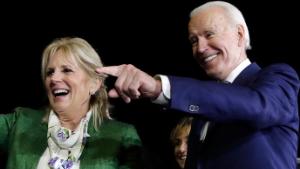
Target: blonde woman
76 131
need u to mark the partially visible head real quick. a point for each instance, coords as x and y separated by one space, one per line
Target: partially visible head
219 37
68 72
179 138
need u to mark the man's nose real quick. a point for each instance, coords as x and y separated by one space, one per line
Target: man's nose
202 45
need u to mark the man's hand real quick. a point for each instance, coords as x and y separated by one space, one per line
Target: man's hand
131 83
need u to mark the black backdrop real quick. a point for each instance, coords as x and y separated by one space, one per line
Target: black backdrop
151 34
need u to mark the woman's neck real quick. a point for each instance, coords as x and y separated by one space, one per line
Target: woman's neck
71 120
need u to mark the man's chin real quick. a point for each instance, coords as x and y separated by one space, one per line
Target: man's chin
211 73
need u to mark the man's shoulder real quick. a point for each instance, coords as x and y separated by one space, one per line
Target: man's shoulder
281 71
280 67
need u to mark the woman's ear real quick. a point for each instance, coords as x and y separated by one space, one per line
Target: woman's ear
95 86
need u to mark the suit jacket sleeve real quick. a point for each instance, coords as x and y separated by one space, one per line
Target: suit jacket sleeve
270 99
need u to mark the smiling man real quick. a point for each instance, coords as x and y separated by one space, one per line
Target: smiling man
249 122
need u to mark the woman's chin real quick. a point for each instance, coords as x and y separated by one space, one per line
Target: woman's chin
59 108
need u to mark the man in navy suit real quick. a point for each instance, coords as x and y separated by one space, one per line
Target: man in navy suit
247 118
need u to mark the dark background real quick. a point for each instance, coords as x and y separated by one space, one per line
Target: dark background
151 34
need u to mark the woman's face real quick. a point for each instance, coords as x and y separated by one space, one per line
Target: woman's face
67 84
181 146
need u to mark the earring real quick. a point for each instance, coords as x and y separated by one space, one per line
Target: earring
91 93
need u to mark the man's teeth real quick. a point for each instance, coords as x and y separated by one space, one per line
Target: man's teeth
209 58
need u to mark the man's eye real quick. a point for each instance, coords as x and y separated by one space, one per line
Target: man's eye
209 34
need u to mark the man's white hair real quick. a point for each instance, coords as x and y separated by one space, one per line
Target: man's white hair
234 14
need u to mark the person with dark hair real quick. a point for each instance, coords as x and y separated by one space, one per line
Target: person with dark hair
247 118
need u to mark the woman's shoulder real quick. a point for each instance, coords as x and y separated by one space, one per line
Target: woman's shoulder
117 124
117 128
120 130
29 112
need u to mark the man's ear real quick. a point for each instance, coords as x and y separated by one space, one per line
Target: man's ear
241 35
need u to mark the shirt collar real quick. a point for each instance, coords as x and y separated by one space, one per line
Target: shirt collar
232 75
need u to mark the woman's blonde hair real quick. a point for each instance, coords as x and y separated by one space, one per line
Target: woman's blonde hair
88 60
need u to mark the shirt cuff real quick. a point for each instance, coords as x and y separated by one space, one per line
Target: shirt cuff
165 96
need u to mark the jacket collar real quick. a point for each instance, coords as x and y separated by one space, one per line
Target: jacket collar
247 75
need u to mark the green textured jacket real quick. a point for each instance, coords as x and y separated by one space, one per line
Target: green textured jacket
23 136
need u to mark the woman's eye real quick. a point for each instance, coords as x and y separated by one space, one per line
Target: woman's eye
193 40
49 72
67 70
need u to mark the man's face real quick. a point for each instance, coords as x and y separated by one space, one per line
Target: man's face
216 42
